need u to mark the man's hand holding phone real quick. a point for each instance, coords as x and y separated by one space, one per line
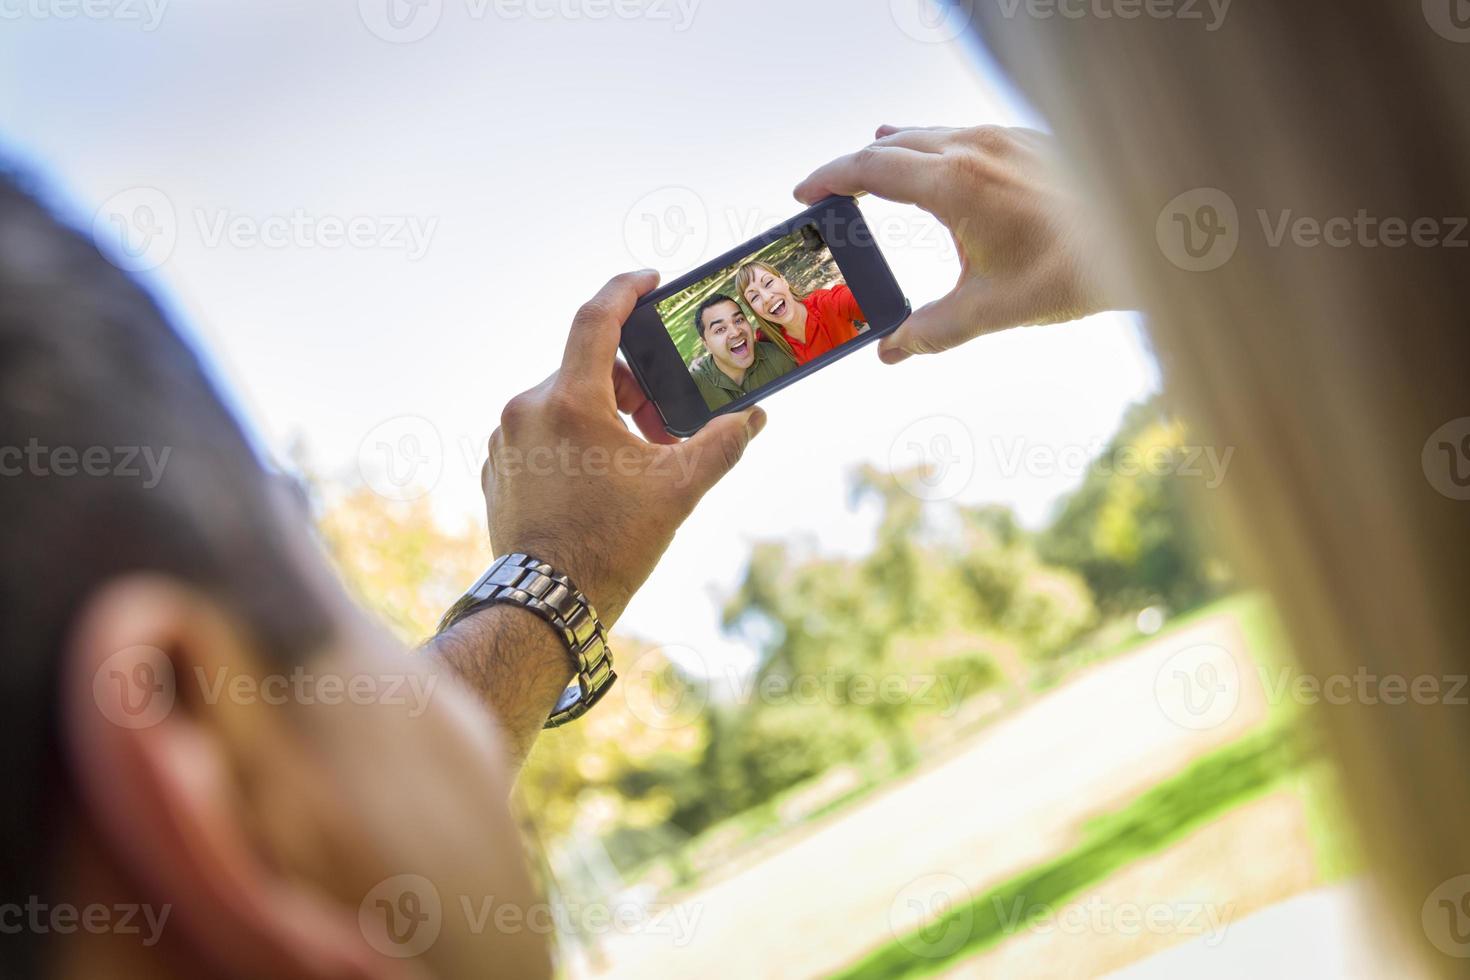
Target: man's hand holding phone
568 481
1022 255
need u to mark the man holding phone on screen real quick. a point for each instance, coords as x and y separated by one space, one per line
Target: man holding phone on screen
738 363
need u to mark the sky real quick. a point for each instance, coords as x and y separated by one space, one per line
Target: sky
376 219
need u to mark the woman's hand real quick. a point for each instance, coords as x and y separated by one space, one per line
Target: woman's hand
1022 260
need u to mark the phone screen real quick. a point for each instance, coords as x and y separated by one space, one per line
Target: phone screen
762 317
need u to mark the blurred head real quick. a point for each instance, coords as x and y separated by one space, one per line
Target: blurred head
177 733
1329 363
727 334
767 292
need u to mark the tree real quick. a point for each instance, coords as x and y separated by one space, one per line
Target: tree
1131 529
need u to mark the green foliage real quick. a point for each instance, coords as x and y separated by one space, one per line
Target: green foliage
860 659
1131 529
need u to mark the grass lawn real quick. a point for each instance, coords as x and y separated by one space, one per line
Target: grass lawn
1206 788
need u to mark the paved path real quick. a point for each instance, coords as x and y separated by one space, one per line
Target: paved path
1015 796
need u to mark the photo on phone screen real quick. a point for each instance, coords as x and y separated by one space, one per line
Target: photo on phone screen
762 317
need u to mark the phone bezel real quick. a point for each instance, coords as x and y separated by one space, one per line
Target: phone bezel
648 348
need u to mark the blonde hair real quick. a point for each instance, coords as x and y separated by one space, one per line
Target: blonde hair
773 332
1328 368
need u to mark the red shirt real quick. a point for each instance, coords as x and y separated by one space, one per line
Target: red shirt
831 318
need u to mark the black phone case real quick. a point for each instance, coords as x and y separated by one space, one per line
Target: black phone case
874 333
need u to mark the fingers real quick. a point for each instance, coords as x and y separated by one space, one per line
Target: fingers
633 401
926 139
896 173
715 449
592 345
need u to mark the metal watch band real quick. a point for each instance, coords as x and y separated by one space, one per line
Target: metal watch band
530 583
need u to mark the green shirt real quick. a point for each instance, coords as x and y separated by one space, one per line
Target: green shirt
718 390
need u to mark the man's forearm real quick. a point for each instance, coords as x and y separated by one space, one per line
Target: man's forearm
516 664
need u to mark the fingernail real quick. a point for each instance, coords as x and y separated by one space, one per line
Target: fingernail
892 355
757 421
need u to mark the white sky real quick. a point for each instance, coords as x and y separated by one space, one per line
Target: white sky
525 150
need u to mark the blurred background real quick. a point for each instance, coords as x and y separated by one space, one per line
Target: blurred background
954 681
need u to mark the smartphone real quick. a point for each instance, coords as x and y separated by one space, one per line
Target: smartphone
762 316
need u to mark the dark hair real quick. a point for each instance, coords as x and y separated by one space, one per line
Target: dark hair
714 300
92 378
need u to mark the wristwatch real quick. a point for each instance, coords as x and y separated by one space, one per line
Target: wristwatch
521 580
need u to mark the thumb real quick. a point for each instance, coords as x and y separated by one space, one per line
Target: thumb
960 315
715 449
